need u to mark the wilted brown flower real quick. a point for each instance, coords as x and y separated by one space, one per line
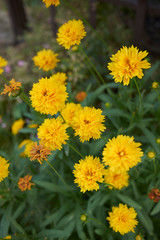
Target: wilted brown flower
13 89
154 195
24 183
81 96
39 153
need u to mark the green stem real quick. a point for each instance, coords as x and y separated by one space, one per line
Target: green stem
86 22
57 173
92 65
92 72
140 96
75 150
24 97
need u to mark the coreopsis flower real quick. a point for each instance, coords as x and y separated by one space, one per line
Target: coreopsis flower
4 165
13 89
88 172
71 33
116 180
28 147
122 153
7 237
69 111
81 96
155 85
48 3
48 96
122 219
24 183
17 125
46 59
53 133
59 77
88 123
39 152
154 195
151 155
3 63
127 63
23 144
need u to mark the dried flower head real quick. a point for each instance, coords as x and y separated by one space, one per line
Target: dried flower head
81 96
3 63
48 3
71 33
4 165
17 125
154 195
24 183
127 63
39 152
13 89
122 219
46 59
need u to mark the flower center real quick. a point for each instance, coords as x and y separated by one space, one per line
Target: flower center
121 153
86 121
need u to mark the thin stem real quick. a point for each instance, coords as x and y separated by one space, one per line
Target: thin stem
92 65
140 96
92 72
24 97
85 21
75 150
57 173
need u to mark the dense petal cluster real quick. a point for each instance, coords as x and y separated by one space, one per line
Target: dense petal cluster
88 123
4 165
12 89
39 153
122 153
69 111
71 33
122 219
3 63
48 3
24 183
88 172
59 77
17 125
53 133
116 180
127 63
48 96
46 59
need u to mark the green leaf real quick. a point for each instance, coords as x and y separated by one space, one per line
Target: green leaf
156 209
146 221
16 225
53 233
128 201
150 71
27 130
19 210
5 223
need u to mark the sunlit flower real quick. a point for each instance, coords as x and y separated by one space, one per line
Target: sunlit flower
117 180
46 59
155 85
69 111
28 147
22 144
13 89
7 237
39 153
24 183
71 33
48 96
81 96
127 63
59 77
4 165
88 123
154 195
48 3
151 154
17 125
122 219
88 172
3 63
122 153
53 133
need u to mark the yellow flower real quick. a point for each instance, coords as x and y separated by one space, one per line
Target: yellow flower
28 147
71 33
22 144
3 63
48 96
117 180
138 237
122 153
122 219
48 3
158 140
4 165
69 111
17 125
127 63
46 59
7 237
24 183
151 154
53 133
88 172
13 89
88 123
155 85
59 77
